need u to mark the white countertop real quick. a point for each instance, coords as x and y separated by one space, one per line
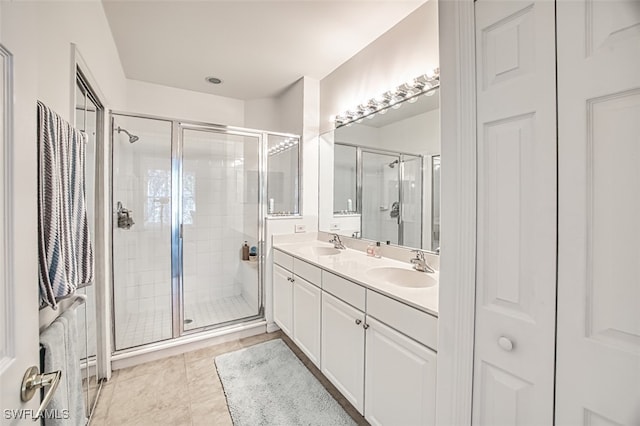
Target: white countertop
353 265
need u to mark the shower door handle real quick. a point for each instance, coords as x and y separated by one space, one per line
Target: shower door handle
181 231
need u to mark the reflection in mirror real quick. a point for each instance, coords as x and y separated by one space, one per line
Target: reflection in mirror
435 203
344 180
283 175
380 177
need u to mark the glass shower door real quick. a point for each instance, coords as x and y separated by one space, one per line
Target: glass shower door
142 185
412 200
220 210
380 197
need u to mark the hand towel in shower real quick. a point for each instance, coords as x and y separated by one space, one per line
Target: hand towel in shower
60 342
64 245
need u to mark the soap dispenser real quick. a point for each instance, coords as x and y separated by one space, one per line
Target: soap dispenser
245 251
377 250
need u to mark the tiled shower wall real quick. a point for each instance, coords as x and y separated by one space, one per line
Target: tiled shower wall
142 254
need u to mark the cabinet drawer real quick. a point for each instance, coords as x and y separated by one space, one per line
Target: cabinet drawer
307 271
414 323
283 259
346 290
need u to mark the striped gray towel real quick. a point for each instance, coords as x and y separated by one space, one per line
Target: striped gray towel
64 244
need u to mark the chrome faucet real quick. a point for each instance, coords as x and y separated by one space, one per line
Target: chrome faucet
420 262
337 243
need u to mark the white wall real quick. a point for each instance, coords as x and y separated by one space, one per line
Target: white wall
404 52
262 114
170 102
85 24
419 134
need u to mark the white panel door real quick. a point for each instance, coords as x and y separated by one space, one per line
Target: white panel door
516 221
400 379
283 299
19 334
342 359
598 361
306 318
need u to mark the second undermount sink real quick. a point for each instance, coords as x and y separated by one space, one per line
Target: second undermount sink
402 277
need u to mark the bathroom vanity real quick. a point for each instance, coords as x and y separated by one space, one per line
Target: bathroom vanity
369 324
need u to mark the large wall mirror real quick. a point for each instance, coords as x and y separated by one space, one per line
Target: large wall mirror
380 176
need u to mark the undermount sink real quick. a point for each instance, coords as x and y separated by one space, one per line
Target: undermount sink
402 277
324 251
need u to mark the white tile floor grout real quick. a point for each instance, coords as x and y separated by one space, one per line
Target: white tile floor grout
153 326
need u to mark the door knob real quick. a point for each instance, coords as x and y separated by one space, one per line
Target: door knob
358 321
505 343
33 380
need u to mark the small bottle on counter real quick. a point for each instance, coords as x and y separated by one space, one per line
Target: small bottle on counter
371 250
245 251
377 250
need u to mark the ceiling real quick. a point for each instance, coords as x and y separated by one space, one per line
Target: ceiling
258 48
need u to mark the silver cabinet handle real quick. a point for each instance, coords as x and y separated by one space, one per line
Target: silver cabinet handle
358 321
365 326
505 343
33 380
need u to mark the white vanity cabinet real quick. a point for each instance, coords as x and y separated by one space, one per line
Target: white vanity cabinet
297 302
400 378
306 318
343 348
283 298
378 351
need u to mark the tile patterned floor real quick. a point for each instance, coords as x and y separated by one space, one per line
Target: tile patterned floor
184 389
153 326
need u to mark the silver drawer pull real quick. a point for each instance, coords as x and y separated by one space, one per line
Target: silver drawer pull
505 343
33 380
358 321
365 326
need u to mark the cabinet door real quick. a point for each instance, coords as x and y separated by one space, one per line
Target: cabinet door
343 348
283 299
306 318
400 379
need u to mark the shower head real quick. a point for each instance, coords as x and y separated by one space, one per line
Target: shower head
132 138
393 163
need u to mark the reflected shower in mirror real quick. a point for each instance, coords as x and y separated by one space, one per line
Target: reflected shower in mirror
283 175
380 176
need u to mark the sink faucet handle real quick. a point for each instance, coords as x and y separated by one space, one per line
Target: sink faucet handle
337 242
419 254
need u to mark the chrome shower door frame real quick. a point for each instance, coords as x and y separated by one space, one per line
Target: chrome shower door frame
177 289
177 220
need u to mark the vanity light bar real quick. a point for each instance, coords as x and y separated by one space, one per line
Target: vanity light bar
425 84
285 145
